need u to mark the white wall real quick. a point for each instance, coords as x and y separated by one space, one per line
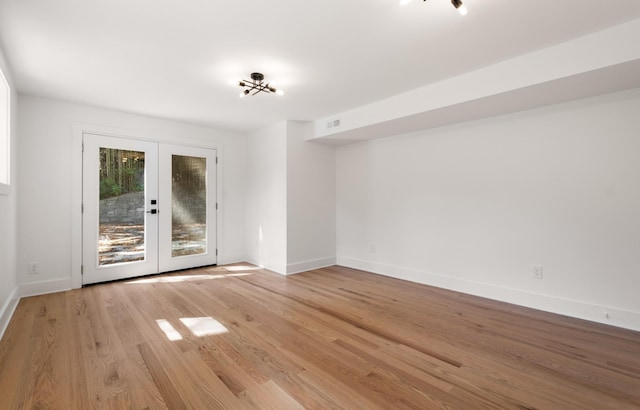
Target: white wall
290 199
8 217
472 206
46 171
266 200
602 62
311 199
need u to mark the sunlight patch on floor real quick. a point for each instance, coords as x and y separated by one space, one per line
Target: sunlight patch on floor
184 278
204 326
170 331
199 327
240 267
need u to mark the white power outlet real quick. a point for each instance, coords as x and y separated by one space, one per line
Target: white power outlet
33 268
536 271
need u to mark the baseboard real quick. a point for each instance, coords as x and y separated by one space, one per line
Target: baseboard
293 268
7 310
273 267
567 307
41 288
231 259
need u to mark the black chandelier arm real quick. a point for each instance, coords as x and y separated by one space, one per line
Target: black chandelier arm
256 85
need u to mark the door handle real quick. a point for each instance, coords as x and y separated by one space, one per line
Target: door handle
153 211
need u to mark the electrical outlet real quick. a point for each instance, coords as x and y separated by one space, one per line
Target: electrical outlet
536 271
33 268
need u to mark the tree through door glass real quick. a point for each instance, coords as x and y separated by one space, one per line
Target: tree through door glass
122 206
188 205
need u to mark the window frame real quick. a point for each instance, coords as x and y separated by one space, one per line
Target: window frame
5 134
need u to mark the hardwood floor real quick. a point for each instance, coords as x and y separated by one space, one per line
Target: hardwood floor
239 337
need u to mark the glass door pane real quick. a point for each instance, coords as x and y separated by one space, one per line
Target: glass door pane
187 178
188 205
121 206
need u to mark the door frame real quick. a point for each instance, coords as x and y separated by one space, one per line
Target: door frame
78 129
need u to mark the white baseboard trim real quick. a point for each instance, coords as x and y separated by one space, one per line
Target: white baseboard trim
231 259
567 307
7 310
298 267
277 268
42 288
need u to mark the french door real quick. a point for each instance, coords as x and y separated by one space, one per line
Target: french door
148 207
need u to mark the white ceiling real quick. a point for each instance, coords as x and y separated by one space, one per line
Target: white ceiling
174 59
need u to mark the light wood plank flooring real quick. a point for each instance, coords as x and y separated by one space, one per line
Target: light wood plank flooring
239 337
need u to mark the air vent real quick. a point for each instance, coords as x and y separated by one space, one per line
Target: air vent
333 124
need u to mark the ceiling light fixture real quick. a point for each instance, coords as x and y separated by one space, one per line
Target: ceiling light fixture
459 6
462 9
257 85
